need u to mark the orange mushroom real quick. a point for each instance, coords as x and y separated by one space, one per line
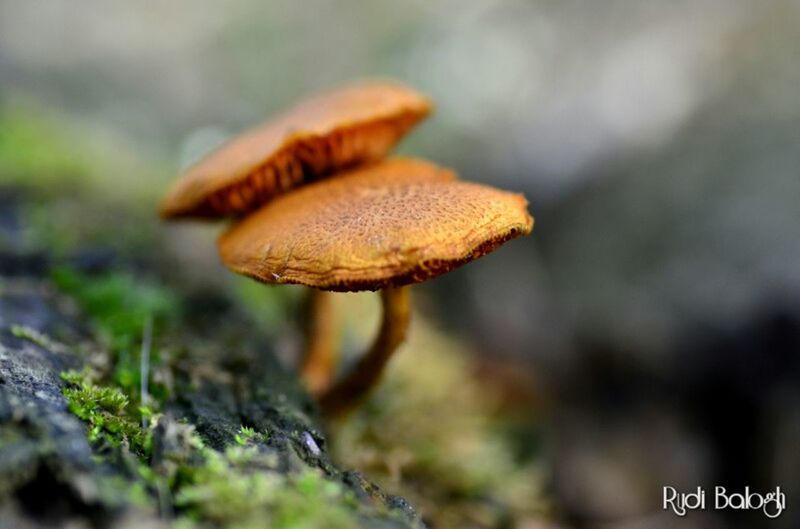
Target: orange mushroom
382 226
378 227
340 129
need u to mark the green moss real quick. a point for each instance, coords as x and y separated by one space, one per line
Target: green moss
118 302
120 305
225 491
108 412
313 501
32 335
123 492
248 437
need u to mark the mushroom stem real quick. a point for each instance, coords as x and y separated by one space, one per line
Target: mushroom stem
346 394
320 354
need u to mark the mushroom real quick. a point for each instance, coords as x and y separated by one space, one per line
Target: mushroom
378 227
384 226
320 136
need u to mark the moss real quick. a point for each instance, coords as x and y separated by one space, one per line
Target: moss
24 332
122 492
226 491
108 412
313 501
248 436
120 305
118 302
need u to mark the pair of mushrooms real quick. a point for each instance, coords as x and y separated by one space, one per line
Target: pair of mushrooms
316 203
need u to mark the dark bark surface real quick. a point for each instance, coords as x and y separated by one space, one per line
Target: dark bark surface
46 467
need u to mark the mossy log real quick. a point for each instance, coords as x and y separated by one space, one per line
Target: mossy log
233 416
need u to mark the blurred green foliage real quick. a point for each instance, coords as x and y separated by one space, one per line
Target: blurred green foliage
33 146
118 302
54 156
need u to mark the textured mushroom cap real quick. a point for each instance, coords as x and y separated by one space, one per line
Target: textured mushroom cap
389 224
325 134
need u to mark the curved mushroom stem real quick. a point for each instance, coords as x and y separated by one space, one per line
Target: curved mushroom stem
318 364
346 394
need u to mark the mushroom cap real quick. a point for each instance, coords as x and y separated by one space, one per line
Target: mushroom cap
325 134
392 223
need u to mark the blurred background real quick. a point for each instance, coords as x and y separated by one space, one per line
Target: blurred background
646 334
